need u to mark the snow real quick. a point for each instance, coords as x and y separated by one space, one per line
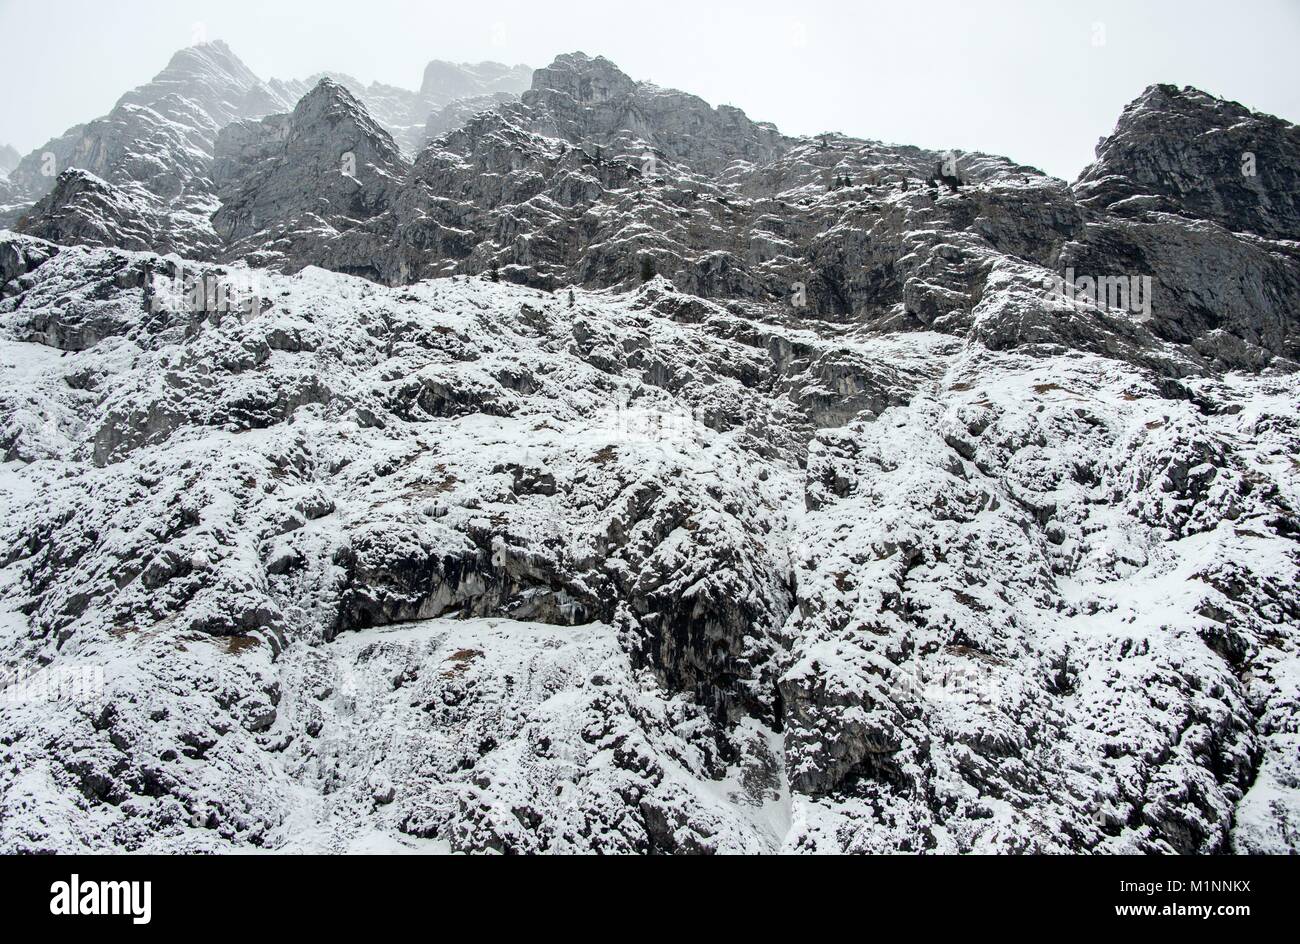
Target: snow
458 567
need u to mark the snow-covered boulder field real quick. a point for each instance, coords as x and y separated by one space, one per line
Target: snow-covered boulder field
469 566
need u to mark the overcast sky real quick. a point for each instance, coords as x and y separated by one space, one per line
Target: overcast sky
1037 81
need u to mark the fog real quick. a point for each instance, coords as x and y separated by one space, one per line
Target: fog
1038 82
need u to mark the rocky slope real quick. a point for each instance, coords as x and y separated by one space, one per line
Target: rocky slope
151 158
1182 151
157 136
595 179
300 179
644 480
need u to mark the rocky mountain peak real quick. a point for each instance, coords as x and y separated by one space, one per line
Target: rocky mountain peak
1185 151
332 103
86 210
583 78
207 60
213 77
160 134
444 81
581 98
9 158
449 92
327 159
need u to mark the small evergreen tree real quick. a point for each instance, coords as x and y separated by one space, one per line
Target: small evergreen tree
647 268
941 176
494 273
570 298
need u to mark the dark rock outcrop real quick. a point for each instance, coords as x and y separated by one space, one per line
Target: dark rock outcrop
1186 152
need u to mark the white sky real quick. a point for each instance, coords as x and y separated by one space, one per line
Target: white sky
1037 81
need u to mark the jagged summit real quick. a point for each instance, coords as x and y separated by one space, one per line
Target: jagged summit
209 81
444 81
206 87
332 102
594 178
1184 150
448 93
585 98
583 78
213 64
160 133
321 169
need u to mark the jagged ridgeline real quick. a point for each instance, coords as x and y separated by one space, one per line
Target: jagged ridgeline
549 461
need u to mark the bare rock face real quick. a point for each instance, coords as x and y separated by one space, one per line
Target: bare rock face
1186 152
326 166
19 256
455 114
596 179
1244 321
86 210
1188 189
583 99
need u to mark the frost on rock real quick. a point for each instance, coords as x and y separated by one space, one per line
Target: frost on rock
465 566
618 474
1030 620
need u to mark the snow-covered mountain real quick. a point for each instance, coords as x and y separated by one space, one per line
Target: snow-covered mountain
155 149
617 473
446 89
